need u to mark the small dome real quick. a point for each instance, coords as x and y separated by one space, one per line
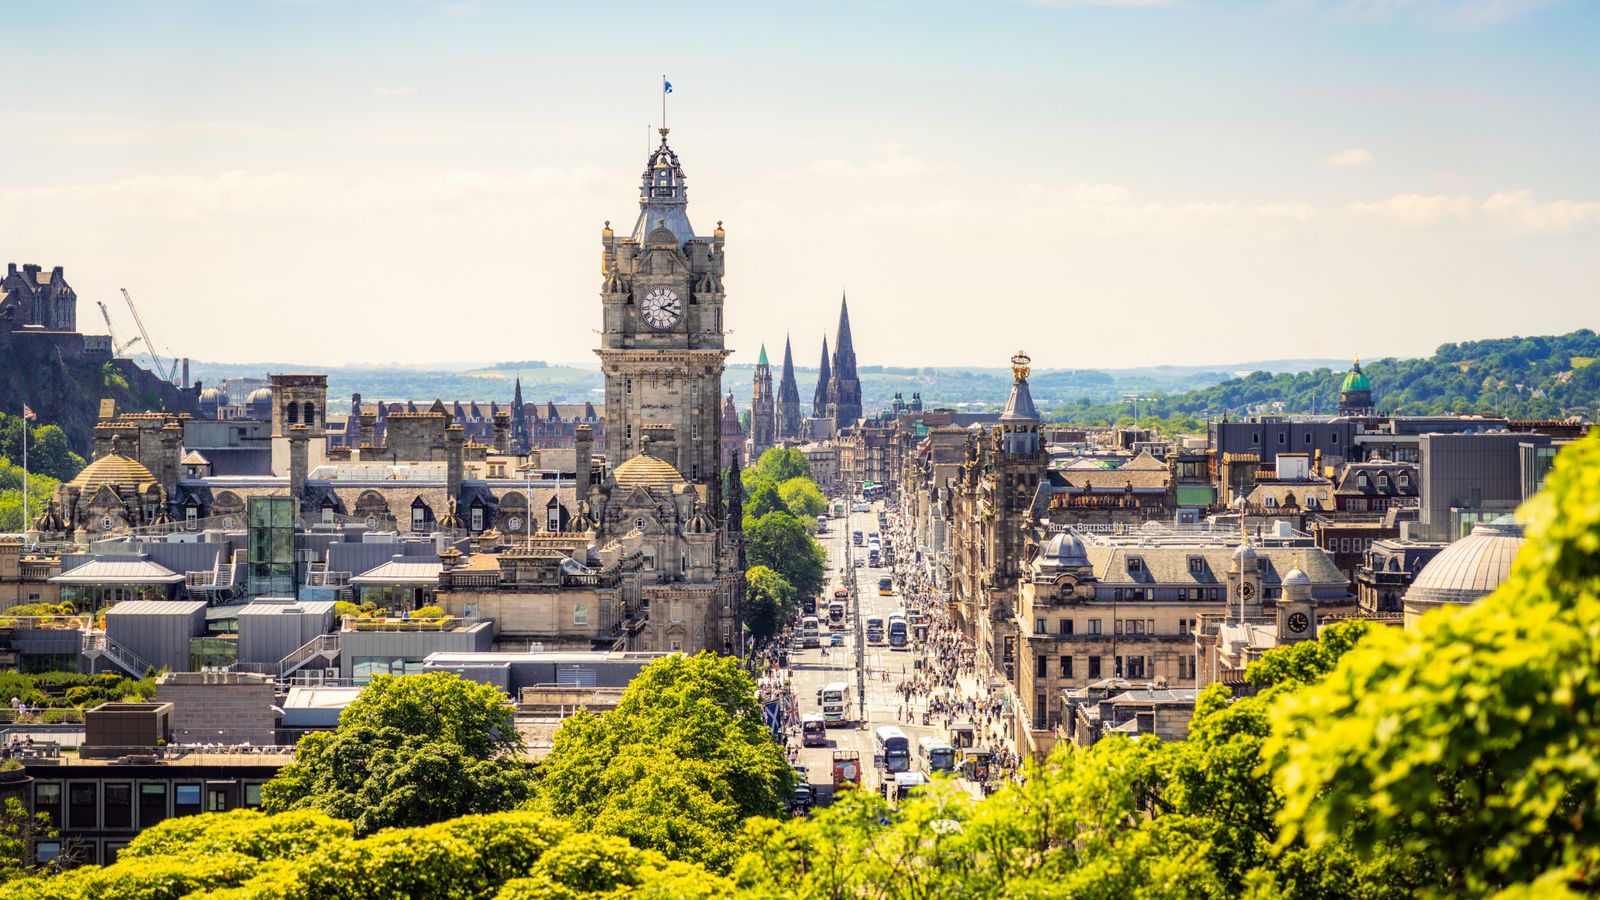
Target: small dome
1064 549
214 395
647 471
1469 569
1244 552
1356 380
259 395
1295 576
113 469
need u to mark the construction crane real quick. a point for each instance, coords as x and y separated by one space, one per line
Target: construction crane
158 366
116 349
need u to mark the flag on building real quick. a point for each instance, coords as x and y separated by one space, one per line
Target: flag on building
27 413
666 86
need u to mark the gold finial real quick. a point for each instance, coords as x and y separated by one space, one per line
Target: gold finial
1019 365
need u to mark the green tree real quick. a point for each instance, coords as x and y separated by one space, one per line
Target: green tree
783 463
1471 738
41 488
676 767
764 498
49 453
780 542
803 498
409 750
18 831
769 601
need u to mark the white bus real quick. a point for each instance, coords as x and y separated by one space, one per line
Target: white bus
936 755
835 700
811 631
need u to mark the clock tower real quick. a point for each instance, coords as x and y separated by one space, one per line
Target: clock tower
661 346
1297 611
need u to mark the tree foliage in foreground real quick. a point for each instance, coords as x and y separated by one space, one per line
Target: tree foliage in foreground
677 767
307 855
1475 739
408 751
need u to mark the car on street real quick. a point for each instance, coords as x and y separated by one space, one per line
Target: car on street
837 640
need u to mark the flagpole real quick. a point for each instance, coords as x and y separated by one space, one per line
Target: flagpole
663 101
25 510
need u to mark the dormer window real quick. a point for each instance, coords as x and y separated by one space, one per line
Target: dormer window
1383 482
1197 565
1405 480
1361 481
1135 565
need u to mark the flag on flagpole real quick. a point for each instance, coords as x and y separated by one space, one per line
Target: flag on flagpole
666 86
27 413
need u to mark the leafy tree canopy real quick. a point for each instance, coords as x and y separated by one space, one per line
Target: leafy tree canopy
409 750
769 601
676 767
782 543
1472 738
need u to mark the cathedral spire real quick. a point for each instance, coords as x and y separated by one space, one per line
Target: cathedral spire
788 396
819 400
844 387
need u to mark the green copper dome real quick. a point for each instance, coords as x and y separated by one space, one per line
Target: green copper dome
763 360
1356 380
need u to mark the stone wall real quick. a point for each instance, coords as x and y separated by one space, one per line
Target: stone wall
219 707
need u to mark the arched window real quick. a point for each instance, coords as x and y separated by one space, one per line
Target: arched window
310 413
291 413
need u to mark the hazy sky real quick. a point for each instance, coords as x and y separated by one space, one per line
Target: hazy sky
1101 182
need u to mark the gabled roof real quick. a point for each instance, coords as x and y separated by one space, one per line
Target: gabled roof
1144 462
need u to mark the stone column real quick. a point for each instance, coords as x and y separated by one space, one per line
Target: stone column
453 438
299 463
583 441
502 432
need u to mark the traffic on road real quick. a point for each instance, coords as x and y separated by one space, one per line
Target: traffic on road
882 691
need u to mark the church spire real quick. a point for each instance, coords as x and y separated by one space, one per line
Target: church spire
819 400
844 388
788 396
520 438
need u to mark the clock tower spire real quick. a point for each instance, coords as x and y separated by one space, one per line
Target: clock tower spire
661 346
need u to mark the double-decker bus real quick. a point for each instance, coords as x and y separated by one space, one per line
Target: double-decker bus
894 749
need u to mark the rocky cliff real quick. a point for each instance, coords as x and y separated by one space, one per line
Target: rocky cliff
50 372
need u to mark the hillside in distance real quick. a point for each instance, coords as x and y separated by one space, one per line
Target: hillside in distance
1537 377
567 383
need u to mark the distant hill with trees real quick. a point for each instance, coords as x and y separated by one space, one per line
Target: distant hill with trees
1521 377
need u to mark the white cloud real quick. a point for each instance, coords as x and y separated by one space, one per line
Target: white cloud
1416 210
891 162
1355 156
1449 13
1518 208
402 91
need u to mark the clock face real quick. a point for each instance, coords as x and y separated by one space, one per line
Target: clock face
662 308
1299 622
1247 590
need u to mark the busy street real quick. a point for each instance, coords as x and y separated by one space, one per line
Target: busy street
921 680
